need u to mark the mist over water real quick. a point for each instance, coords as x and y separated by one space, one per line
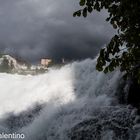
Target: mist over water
66 103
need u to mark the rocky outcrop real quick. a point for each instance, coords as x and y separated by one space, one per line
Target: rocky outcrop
112 123
128 93
133 97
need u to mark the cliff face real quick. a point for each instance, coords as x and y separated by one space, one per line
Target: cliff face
134 94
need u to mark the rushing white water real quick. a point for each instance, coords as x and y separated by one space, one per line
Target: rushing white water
70 96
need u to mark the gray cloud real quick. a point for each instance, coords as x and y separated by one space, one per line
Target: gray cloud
45 28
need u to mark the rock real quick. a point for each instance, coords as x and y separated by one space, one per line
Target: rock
110 124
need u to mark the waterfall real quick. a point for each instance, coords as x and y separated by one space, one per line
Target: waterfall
73 102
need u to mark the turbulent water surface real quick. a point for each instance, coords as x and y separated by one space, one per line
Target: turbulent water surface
74 102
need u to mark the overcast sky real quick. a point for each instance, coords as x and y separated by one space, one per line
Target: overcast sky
33 29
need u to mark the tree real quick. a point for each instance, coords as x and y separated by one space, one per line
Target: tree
5 66
124 48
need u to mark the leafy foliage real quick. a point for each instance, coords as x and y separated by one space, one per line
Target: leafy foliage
124 48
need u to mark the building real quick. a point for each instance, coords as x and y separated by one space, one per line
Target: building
45 62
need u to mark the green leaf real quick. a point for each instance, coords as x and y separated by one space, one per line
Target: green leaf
111 68
102 52
85 12
82 2
106 70
97 6
108 19
77 13
90 9
114 26
74 14
99 68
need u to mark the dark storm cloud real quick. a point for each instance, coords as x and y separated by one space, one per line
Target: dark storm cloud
45 28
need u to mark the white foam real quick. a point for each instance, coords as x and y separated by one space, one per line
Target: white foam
72 94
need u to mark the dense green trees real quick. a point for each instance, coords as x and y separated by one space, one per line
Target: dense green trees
124 48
